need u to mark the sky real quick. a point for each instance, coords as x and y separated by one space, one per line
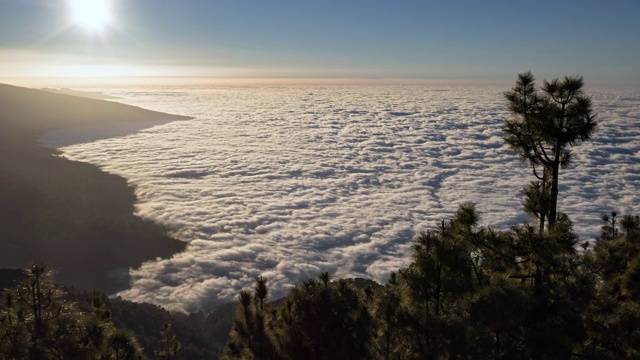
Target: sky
463 40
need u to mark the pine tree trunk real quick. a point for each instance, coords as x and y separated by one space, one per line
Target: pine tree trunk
554 190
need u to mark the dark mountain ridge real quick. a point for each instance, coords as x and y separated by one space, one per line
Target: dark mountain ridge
68 214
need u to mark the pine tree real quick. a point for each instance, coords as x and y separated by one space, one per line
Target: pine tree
37 322
545 125
51 322
325 320
386 310
442 276
169 345
613 318
122 345
250 334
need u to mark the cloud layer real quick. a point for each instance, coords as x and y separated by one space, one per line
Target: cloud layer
286 182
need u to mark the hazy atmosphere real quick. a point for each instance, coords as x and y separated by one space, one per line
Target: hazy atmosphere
407 40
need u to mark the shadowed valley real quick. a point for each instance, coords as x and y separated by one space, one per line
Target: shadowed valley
66 213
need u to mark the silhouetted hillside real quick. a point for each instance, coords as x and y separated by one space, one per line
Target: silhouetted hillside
71 215
201 336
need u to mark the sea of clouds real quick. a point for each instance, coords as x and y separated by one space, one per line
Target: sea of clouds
286 182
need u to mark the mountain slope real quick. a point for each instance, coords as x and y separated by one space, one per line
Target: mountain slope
69 214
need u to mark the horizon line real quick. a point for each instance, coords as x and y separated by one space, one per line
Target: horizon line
182 80
188 80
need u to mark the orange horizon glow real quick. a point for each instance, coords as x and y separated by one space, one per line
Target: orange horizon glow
125 81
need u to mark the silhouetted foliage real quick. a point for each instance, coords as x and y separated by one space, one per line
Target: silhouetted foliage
170 346
544 126
469 292
613 318
249 337
37 322
319 319
198 334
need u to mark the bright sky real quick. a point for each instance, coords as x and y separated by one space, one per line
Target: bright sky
357 39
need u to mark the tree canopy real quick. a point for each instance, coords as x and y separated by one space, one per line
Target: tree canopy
37 322
544 126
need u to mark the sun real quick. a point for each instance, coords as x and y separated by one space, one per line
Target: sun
92 15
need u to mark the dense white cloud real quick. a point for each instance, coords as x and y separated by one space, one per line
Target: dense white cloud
286 182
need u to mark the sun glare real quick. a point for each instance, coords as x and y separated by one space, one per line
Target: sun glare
92 15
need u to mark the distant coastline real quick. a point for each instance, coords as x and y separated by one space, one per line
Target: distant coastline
86 94
79 134
71 215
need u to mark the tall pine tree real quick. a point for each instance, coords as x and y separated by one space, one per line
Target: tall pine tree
544 125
